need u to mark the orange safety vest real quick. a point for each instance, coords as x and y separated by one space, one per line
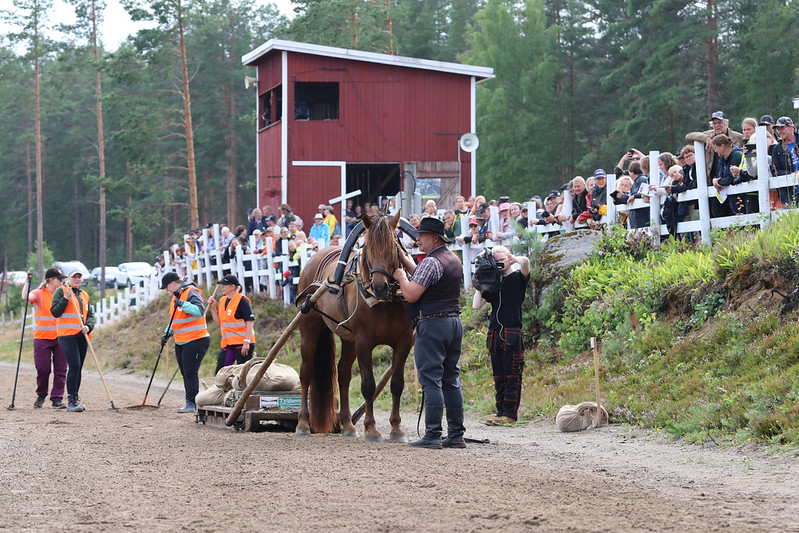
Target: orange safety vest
233 329
185 326
69 323
44 322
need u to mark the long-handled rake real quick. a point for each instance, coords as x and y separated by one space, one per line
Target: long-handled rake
164 340
21 339
94 355
167 386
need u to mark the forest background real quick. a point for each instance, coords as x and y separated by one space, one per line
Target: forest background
577 84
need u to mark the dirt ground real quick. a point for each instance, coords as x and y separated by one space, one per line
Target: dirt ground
157 470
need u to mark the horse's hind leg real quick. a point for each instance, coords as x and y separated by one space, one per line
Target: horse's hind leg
344 378
368 392
399 356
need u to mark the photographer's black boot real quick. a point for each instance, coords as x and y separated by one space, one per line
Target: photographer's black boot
432 433
455 429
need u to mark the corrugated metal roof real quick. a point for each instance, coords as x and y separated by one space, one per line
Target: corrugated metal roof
483 73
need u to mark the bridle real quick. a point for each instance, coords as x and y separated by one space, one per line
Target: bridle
375 270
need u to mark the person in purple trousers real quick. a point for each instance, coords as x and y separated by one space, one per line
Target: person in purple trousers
47 353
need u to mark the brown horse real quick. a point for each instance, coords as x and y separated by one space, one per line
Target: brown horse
360 328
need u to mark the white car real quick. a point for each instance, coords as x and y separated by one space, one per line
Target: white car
130 274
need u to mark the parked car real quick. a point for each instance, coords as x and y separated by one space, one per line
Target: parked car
130 274
110 276
15 277
68 267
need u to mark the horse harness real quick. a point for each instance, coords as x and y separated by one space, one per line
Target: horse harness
358 263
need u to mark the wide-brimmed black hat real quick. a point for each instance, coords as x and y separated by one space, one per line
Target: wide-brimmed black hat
168 278
433 225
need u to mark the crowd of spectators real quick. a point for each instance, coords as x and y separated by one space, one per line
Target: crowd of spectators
730 159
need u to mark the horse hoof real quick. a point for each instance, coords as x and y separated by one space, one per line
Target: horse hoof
350 433
374 438
302 432
398 438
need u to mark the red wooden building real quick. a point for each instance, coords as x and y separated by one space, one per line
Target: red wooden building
332 121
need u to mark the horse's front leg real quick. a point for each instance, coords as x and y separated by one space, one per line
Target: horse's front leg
368 393
399 356
344 378
307 343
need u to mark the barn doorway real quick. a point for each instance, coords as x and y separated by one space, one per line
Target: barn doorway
377 181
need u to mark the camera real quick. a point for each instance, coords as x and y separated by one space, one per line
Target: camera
501 266
749 148
630 151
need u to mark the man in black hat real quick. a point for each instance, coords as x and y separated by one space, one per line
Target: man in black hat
434 295
235 318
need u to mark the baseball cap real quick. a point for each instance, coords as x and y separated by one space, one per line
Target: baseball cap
54 273
168 278
719 115
766 120
230 279
599 173
783 121
322 206
504 206
249 211
319 216
473 221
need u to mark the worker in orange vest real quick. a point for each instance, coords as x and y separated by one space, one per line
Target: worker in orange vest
236 319
74 324
47 354
191 333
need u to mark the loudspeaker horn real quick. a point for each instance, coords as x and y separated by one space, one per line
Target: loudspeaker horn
468 142
249 81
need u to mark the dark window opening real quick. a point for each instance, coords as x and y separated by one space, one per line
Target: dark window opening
315 100
271 107
377 182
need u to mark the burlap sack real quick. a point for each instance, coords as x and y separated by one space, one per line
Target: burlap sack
213 395
579 417
278 377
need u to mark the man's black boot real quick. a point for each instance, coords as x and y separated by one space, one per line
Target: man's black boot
455 429
432 433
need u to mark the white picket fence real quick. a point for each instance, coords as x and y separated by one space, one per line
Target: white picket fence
703 194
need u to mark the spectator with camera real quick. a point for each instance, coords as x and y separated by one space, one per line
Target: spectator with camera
639 217
504 342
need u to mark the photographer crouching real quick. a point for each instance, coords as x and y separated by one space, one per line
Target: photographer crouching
504 341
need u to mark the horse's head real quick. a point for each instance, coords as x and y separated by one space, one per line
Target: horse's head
381 257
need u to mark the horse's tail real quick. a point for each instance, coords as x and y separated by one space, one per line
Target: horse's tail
322 409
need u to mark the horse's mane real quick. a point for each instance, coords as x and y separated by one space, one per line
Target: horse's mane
380 238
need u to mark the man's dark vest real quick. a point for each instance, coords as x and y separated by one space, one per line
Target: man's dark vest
443 297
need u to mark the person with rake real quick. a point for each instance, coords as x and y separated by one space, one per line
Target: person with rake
191 333
47 354
74 324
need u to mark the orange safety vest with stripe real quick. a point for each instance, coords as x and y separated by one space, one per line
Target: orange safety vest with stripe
44 322
70 322
185 326
234 330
